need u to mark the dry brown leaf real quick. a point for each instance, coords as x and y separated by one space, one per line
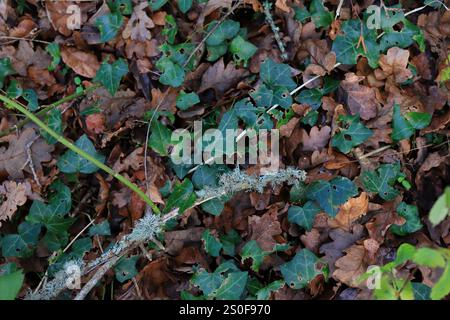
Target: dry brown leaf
16 196
350 267
282 5
395 64
15 159
23 28
83 63
360 99
138 25
311 240
316 139
220 78
350 211
264 228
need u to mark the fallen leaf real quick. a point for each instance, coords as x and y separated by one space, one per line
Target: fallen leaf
264 228
316 139
350 267
350 211
83 63
395 64
15 196
138 25
221 79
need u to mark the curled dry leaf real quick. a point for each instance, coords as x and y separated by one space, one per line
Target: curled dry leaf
15 194
350 211
350 267
83 63
394 64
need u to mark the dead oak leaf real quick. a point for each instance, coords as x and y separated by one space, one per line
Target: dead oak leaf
316 139
264 228
83 63
15 159
16 195
221 78
350 211
394 64
359 98
379 225
350 267
138 25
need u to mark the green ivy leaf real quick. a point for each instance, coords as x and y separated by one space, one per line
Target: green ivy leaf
352 133
109 25
276 75
184 5
310 118
29 232
170 29
421 291
71 162
346 45
252 250
213 206
160 139
215 52
264 293
110 75
320 14
187 100
382 180
31 97
156 4
43 214
13 245
55 52
262 96
331 194
232 287
211 243
6 69
10 285
53 119
301 14
303 216
311 97
207 282
302 269
418 120
173 73
242 50
229 242
126 269
403 38
182 197
14 90
227 30
101 229
412 224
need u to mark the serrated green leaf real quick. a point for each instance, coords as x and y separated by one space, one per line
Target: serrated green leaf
382 180
351 134
329 195
303 268
110 75
303 216
211 243
109 25
412 224
71 162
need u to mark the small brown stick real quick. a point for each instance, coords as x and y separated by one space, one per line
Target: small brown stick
30 160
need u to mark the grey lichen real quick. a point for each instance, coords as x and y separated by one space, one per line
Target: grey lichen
236 181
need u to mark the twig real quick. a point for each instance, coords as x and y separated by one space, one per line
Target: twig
12 104
48 108
30 160
267 6
338 10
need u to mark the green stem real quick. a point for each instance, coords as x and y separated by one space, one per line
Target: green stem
11 104
44 111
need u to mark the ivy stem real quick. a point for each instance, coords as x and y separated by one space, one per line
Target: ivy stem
11 104
49 107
